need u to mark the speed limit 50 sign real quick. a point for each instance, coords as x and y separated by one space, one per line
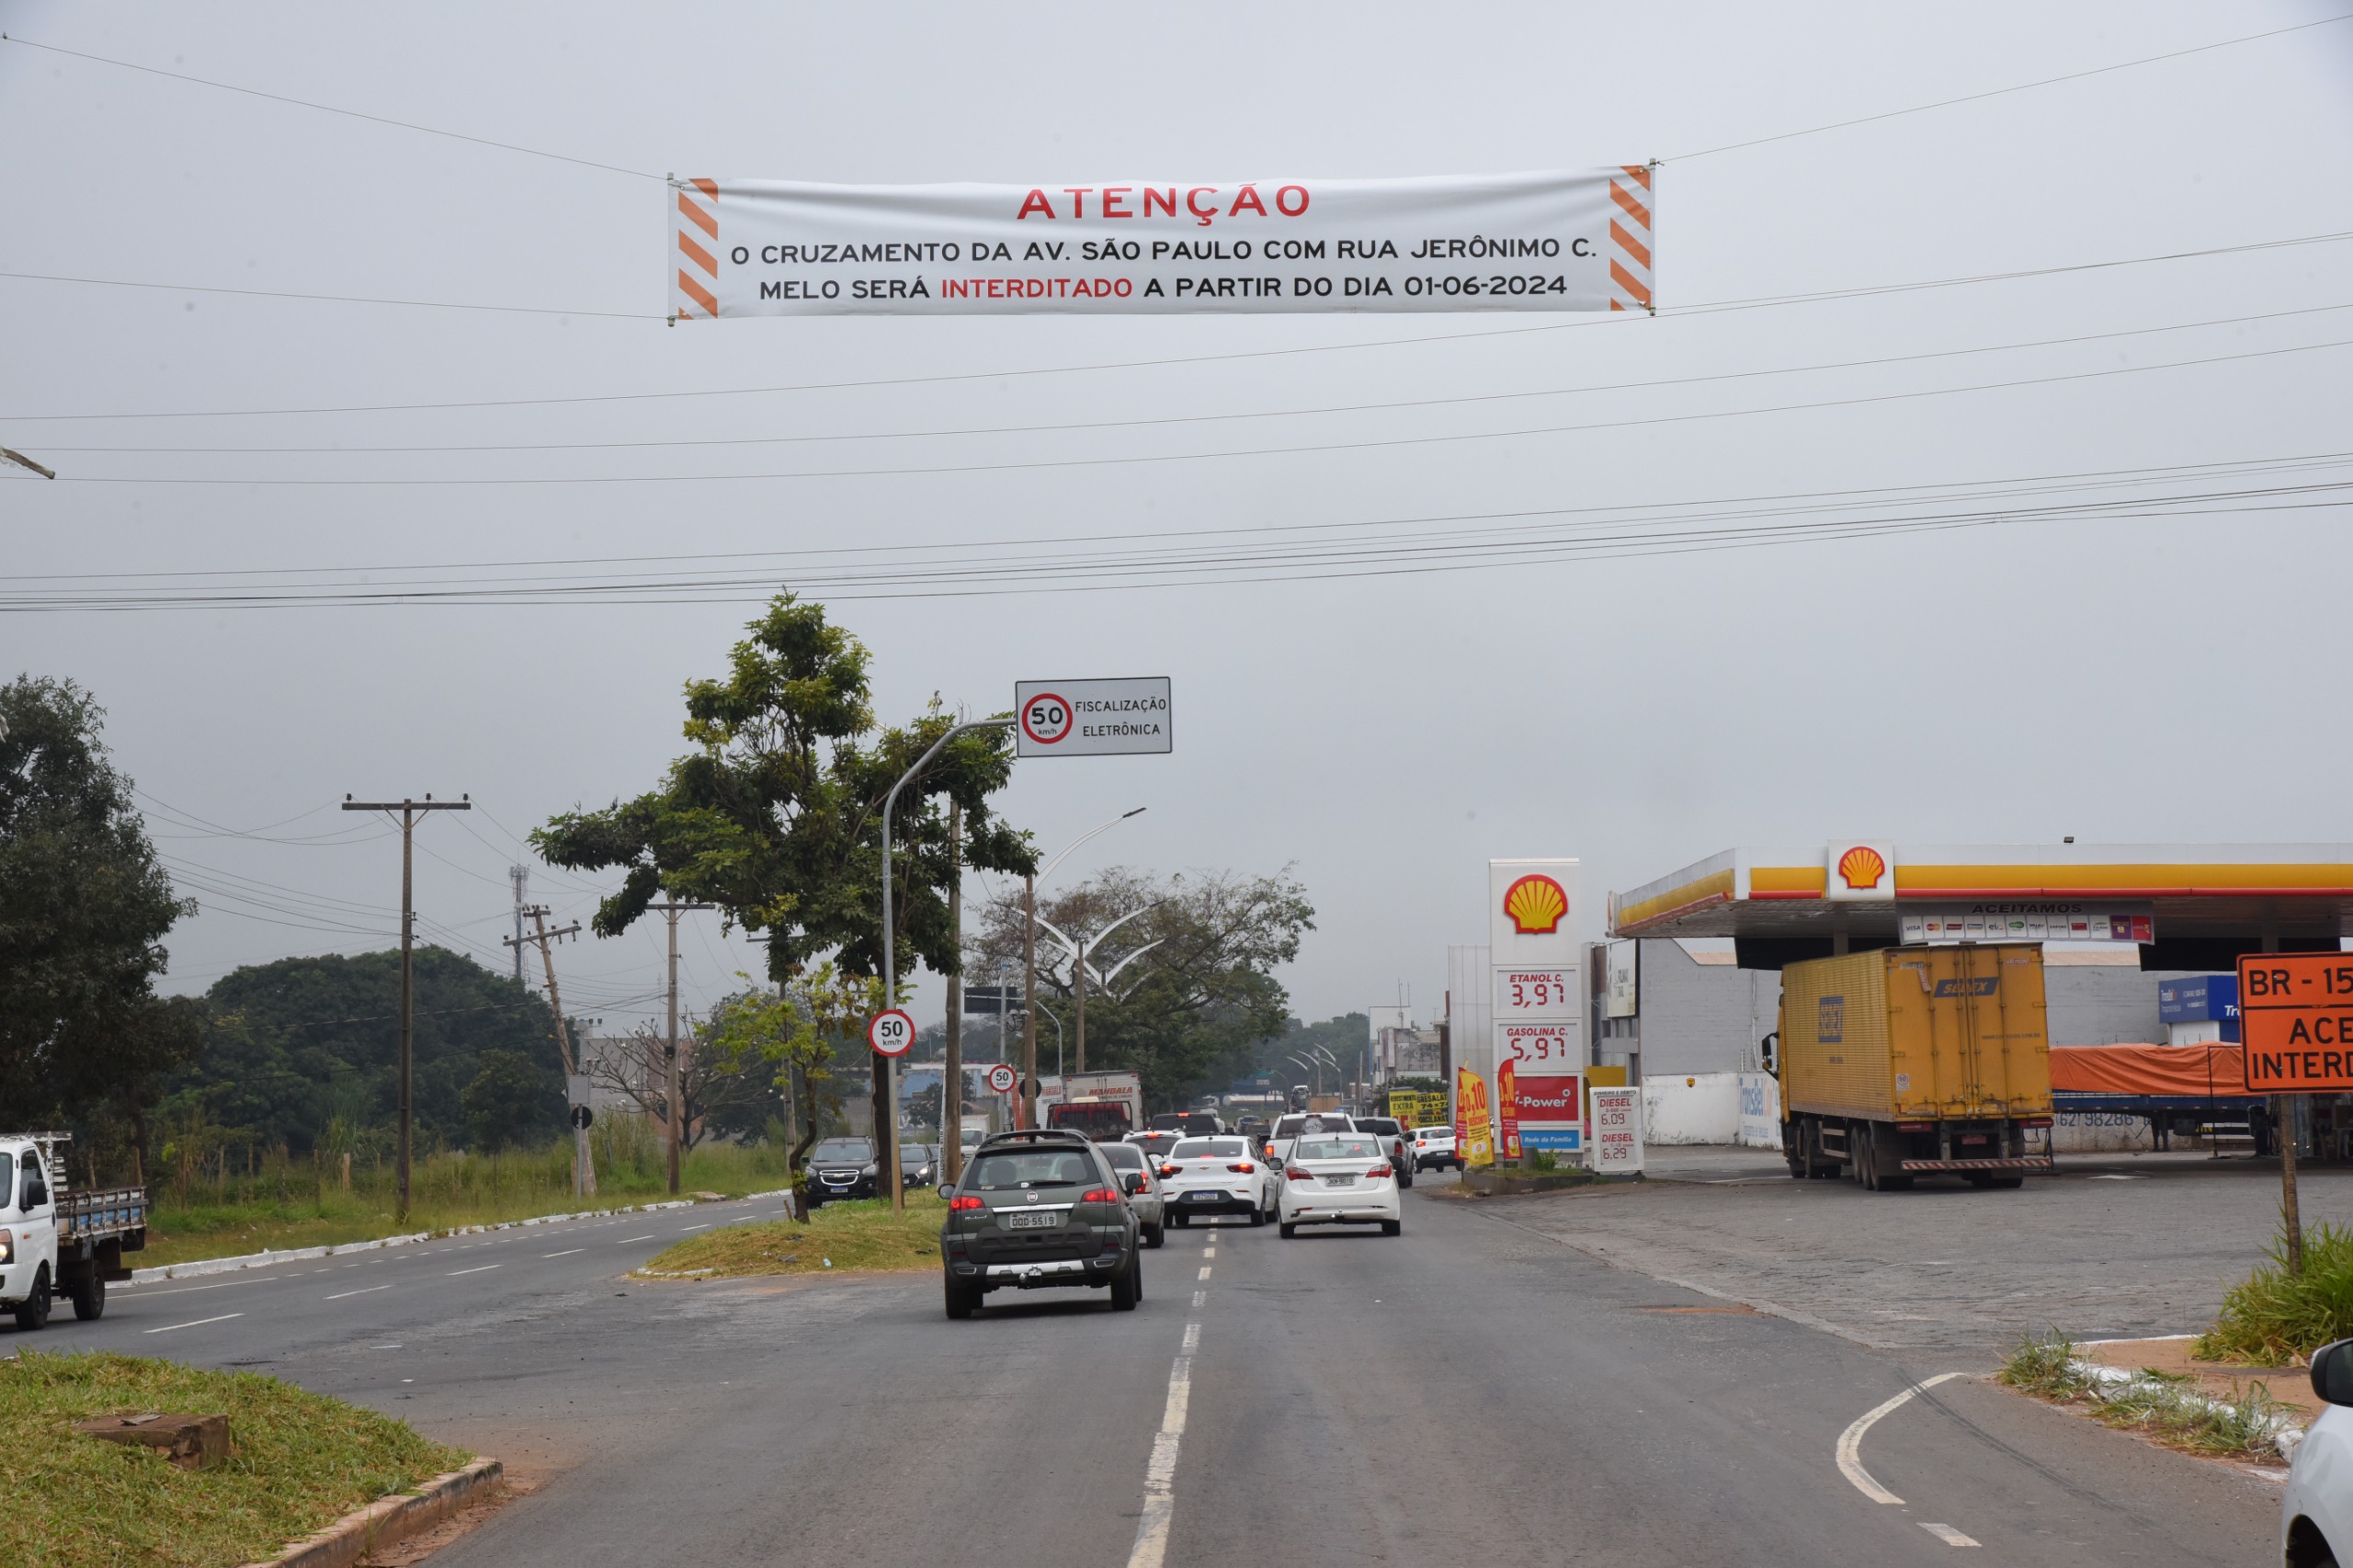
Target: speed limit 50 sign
891 1033
1001 1078
1122 717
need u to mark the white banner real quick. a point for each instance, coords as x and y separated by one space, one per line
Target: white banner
1555 241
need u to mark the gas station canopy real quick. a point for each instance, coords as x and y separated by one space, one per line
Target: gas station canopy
2188 906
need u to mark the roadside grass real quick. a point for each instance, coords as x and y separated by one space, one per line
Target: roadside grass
2275 1317
2167 1405
290 1206
301 1462
864 1235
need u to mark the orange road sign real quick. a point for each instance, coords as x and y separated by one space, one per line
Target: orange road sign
2296 1019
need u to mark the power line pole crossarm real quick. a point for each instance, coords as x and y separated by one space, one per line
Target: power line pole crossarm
409 811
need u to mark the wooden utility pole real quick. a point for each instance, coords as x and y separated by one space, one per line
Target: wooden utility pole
674 1064
1029 1001
583 1169
951 1082
409 811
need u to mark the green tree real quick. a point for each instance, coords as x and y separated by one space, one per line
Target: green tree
1200 995
84 910
808 1038
776 815
306 1052
511 1100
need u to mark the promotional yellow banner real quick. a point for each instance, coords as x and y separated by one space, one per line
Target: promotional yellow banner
1475 1136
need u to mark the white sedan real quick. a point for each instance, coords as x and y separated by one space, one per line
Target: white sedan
1341 1178
1205 1176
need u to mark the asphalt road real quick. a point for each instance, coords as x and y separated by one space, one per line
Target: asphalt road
1471 1391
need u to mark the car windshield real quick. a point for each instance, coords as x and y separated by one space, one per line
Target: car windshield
1208 1149
1123 1156
1329 1122
1011 1170
1433 1131
1101 1119
837 1149
1336 1149
1376 1124
915 1153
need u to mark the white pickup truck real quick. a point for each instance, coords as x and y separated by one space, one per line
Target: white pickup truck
53 1243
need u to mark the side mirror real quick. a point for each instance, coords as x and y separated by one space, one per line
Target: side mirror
2333 1372
1769 1052
36 1193
947 1189
1135 1182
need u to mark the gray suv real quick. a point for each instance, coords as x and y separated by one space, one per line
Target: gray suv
1035 1209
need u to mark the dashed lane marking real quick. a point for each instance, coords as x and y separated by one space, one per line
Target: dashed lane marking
565 1253
704 1226
1850 1441
368 1291
1204 1274
482 1268
1200 1297
198 1322
1948 1535
1160 1476
626 1240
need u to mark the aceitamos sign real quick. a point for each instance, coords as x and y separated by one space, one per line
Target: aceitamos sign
1579 240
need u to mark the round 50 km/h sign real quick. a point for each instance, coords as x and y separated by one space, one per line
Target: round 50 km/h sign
891 1033
1046 717
1001 1079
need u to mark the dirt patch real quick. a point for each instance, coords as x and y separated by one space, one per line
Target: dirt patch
2289 1386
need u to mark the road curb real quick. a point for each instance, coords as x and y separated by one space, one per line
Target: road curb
204 1266
389 1519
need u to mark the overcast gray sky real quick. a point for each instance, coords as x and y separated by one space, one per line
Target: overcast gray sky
2130 678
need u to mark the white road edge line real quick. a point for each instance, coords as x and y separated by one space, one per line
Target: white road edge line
369 1291
1850 1441
199 1322
480 1269
1948 1535
1159 1475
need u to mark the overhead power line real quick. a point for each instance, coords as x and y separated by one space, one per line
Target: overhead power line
1769 302
1623 533
330 299
1381 443
2004 92
328 108
1223 417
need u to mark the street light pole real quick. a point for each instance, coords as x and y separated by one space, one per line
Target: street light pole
1029 974
886 1123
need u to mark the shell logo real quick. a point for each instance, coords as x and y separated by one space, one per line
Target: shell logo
1535 904
1861 867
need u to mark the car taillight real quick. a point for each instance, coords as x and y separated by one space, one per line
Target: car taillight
1168 1170
1378 1170
1298 1175
962 1204
1098 1195
1246 1167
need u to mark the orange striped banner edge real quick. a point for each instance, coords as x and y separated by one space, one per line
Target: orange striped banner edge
1639 174
1626 242
696 293
1626 281
1634 210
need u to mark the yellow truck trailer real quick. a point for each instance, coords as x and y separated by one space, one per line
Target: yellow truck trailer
1912 1061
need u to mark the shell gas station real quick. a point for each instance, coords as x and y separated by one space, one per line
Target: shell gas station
2181 914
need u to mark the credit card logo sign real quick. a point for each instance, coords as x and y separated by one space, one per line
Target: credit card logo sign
1830 1020
1536 903
1861 868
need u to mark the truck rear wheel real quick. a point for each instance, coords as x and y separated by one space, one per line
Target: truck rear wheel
90 1299
32 1312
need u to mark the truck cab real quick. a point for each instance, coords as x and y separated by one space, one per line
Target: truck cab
53 1243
